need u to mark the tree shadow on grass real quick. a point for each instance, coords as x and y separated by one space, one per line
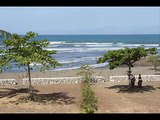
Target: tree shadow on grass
10 92
59 98
136 89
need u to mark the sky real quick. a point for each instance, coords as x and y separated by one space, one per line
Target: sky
81 20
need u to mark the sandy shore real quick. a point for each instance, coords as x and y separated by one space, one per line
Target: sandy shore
110 99
144 70
141 67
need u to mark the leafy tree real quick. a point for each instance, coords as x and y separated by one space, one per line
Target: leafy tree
24 51
89 102
155 60
127 56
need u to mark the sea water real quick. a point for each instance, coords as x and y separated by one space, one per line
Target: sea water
76 50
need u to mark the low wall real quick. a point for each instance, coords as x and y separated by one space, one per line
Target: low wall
144 78
68 80
7 81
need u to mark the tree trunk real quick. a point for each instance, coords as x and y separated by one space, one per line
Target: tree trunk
30 85
131 80
129 75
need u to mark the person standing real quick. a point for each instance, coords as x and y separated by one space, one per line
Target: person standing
133 79
140 81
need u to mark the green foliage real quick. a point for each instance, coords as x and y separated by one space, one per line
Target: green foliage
125 56
89 101
4 60
155 60
24 51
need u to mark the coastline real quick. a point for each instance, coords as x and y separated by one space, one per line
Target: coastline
105 72
140 67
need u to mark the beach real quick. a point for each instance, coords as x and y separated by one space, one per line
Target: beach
68 96
141 67
117 43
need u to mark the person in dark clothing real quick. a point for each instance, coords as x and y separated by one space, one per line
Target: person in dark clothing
133 80
140 81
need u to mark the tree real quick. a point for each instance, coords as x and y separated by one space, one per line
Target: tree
127 56
4 34
155 60
24 51
89 101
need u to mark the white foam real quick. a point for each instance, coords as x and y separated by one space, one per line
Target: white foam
156 45
91 47
88 43
99 45
55 45
129 45
99 65
137 45
59 49
57 42
78 60
94 45
60 69
118 43
91 44
93 66
84 49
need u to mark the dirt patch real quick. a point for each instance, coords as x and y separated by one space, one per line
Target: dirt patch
65 98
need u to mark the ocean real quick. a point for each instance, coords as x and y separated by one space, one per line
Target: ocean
76 50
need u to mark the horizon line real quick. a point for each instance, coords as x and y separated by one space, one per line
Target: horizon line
103 34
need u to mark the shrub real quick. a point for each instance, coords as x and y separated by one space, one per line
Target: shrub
89 101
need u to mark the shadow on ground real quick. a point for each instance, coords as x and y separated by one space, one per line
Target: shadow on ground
60 97
136 89
158 69
9 92
157 73
158 87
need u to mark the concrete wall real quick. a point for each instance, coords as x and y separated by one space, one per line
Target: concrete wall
68 80
72 80
7 81
144 78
